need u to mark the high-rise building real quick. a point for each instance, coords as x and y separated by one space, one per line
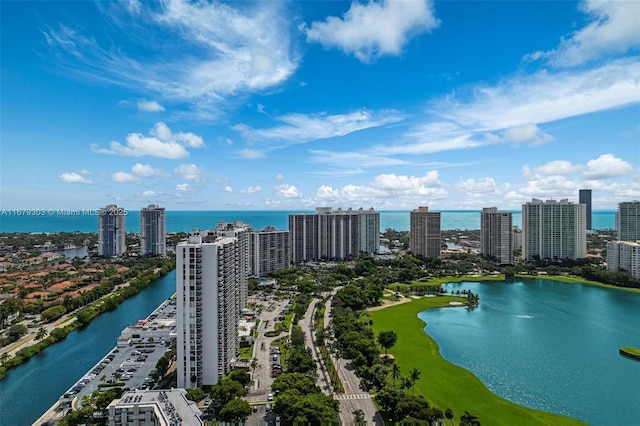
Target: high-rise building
209 279
111 231
153 231
424 234
516 239
333 234
270 251
628 221
240 231
624 256
553 230
495 235
584 197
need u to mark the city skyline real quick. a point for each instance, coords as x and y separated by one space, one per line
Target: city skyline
293 105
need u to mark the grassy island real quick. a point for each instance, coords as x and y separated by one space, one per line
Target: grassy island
445 384
630 352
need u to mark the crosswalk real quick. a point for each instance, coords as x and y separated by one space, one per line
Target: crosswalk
354 396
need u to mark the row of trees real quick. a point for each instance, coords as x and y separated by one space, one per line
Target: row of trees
355 340
300 401
226 397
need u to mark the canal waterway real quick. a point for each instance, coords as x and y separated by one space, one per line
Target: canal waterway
30 389
548 345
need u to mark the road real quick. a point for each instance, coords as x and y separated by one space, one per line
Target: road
306 323
354 398
30 338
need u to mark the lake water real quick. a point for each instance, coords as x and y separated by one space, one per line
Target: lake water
31 388
548 345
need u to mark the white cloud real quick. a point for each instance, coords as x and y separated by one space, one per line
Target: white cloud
151 194
606 166
228 188
301 128
190 172
553 180
378 28
279 176
353 159
217 51
149 106
161 142
124 177
527 133
146 170
184 187
557 167
74 177
288 191
85 172
613 29
485 185
544 97
251 154
251 190
423 185
386 190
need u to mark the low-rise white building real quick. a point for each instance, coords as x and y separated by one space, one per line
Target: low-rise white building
145 330
154 408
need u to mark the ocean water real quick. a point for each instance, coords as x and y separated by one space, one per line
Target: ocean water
185 221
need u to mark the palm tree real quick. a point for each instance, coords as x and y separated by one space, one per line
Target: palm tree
4 357
414 375
448 413
468 419
42 333
395 373
406 383
254 365
358 416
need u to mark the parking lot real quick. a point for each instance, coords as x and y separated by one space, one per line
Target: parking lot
133 364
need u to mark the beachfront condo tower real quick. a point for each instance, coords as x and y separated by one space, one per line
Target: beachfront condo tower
111 231
424 234
333 234
153 231
554 230
496 231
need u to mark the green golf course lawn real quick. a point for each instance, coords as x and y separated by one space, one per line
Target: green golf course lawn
442 383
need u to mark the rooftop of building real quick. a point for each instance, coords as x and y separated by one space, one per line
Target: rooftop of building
170 406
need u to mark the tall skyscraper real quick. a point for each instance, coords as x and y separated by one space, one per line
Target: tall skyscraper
153 231
624 256
496 235
628 221
209 278
424 234
333 234
554 230
270 251
240 231
584 197
111 231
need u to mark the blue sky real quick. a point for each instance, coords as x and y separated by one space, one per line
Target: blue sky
292 105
